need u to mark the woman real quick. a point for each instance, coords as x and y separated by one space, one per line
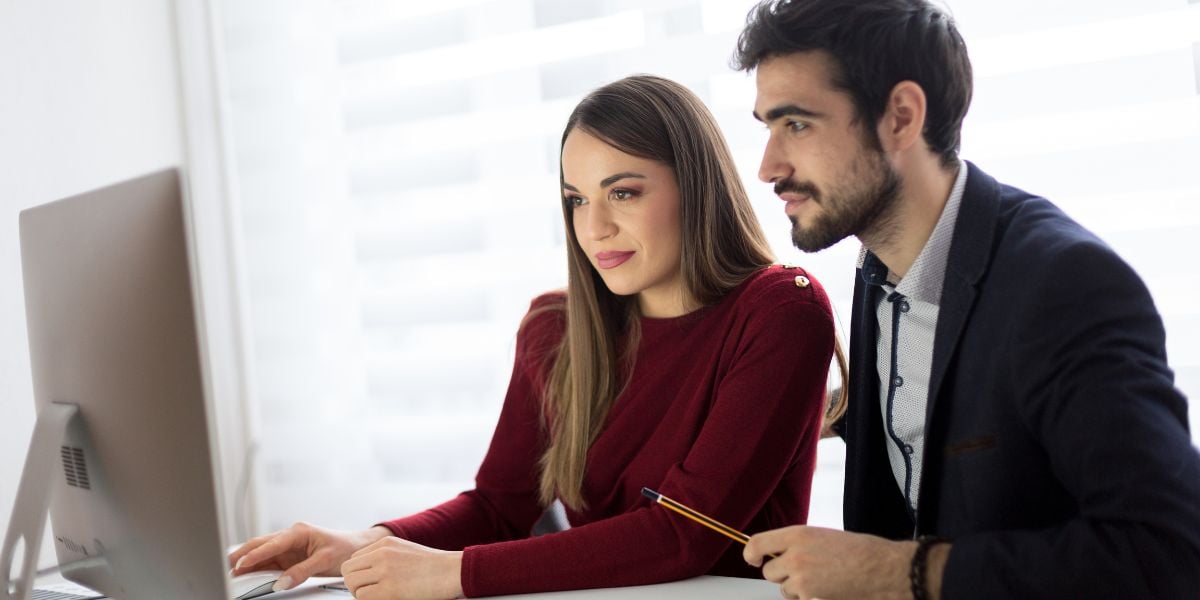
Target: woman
677 359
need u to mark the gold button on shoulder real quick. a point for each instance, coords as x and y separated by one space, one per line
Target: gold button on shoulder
802 281
790 266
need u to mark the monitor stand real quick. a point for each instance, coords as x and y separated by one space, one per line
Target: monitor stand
33 499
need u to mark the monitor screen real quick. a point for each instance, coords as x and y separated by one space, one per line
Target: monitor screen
113 329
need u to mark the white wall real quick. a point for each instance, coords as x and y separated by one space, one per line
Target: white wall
89 95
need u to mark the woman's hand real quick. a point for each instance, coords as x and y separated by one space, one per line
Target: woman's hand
397 568
302 551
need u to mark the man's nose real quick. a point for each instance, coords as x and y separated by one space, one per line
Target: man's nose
774 166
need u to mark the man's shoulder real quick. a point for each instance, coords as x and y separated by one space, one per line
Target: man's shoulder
1040 256
1037 236
1032 258
1025 222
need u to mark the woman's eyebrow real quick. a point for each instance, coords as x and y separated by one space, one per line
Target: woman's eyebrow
611 179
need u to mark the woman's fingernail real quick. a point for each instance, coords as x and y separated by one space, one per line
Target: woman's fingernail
239 564
282 584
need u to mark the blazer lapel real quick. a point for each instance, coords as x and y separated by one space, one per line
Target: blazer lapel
970 253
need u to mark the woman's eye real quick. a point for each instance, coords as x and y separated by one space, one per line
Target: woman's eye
574 201
622 194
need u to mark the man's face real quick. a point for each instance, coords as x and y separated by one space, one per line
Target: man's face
835 181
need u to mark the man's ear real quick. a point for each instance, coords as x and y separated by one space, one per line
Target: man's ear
903 120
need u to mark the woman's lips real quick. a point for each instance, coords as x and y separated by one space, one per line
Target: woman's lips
612 259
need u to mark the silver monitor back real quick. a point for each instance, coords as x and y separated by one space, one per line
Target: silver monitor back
112 329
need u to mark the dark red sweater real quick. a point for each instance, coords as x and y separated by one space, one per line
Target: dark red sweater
722 413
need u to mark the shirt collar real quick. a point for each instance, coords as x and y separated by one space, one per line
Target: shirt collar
927 275
873 271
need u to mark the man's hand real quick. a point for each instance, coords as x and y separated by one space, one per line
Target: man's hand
826 563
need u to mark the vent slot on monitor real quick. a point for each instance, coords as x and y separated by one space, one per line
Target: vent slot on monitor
75 468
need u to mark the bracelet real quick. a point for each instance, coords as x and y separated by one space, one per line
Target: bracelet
916 572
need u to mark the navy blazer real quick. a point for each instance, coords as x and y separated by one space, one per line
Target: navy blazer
1057 454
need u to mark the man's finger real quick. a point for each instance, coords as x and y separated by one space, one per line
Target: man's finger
768 543
753 553
791 594
781 568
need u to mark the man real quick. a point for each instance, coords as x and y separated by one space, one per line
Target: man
1013 429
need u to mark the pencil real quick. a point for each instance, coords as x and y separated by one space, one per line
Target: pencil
700 518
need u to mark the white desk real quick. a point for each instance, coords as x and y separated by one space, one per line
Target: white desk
707 586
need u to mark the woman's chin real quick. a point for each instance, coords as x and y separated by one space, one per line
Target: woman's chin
620 287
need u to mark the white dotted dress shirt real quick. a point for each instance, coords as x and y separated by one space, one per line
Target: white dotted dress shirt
907 319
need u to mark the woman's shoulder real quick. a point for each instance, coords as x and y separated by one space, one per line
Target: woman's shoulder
782 284
544 323
784 300
555 300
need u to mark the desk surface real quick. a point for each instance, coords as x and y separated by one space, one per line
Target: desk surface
700 587
707 586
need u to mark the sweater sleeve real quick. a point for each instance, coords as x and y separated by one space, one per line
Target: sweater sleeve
504 504
764 419
1098 394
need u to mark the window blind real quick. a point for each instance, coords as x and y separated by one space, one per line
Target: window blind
397 167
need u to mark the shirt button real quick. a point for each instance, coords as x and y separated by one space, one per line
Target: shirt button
908 449
903 306
897 381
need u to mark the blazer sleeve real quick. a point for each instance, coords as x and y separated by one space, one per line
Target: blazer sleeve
1088 355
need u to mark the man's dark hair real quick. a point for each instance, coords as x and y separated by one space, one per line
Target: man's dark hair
874 44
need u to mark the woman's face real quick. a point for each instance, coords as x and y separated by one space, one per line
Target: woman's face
625 212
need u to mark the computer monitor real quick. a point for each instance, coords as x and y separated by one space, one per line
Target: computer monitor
111 311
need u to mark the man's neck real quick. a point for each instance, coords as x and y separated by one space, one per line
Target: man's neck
923 195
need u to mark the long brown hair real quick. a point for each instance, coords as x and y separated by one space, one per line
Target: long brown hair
722 244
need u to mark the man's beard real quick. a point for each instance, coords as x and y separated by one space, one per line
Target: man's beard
848 210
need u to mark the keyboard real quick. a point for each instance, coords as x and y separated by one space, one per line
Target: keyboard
50 595
63 591
71 591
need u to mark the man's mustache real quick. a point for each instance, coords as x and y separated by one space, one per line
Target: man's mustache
784 186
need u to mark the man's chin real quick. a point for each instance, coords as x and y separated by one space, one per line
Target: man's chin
813 241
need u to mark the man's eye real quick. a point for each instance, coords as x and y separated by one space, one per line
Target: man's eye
797 125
